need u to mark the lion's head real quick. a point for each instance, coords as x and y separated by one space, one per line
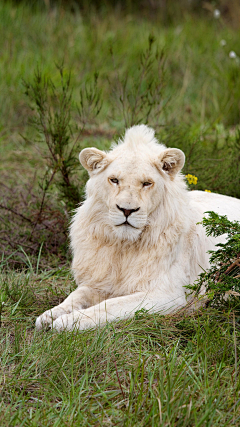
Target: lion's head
130 182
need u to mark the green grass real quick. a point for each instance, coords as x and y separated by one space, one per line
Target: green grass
151 370
148 371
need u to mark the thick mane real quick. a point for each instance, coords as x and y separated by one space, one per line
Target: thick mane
138 137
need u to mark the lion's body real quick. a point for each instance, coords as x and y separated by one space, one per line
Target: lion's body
121 267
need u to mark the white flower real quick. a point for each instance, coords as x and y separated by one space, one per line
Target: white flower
223 42
216 13
232 55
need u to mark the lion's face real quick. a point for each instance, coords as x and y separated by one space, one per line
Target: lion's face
129 182
132 189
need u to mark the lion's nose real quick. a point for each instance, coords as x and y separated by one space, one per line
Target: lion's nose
127 212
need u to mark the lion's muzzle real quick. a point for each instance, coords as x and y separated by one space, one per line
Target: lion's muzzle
127 212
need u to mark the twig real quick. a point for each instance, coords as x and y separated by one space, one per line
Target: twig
119 380
230 268
235 347
16 213
234 264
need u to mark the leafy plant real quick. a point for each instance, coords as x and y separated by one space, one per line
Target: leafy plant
223 278
38 215
52 120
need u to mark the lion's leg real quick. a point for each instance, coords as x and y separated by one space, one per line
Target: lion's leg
117 308
79 299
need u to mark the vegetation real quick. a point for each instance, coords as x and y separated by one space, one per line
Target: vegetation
150 370
76 77
223 279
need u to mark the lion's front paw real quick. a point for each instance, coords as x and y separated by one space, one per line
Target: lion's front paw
47 318
65 322
77 320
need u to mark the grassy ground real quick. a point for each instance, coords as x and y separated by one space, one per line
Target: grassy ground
150 370
147 371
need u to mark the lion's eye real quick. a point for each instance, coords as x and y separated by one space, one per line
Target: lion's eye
147 184
114 180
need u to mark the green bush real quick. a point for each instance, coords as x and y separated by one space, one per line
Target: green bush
222 280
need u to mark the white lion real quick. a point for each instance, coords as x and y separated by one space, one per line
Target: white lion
135 240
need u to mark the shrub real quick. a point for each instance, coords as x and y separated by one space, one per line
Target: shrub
37 215
223 278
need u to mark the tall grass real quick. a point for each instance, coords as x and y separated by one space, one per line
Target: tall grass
177 78
150 370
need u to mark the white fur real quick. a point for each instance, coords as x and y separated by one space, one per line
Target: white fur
144 264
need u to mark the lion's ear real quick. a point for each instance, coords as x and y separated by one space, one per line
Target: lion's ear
93 160
171 161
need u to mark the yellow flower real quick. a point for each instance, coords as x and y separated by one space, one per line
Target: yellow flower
208 191
192 179
195 180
